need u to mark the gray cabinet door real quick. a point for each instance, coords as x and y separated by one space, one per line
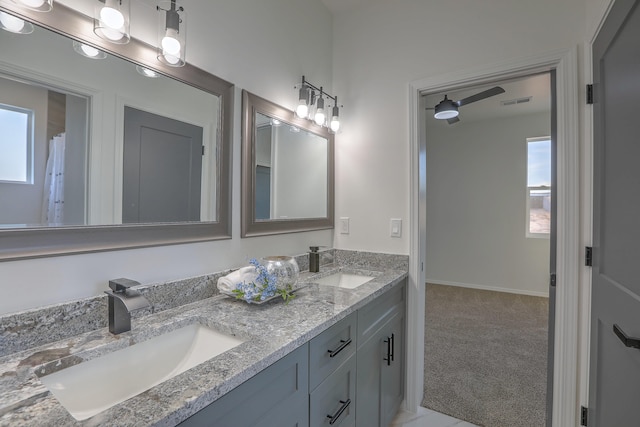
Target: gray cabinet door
333 402
392 370
614 380
276 397
162 167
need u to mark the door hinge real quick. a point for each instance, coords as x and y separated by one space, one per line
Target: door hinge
588 256
203 150
552 280
589 94
584 415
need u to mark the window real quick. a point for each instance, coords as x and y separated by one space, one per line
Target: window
16 142
538 187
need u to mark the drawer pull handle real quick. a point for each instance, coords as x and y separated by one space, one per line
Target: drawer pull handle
343 344
628 342
333 418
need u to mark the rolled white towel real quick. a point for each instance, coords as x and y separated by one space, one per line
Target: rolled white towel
245 274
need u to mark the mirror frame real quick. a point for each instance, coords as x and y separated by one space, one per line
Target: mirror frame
252 104
25 243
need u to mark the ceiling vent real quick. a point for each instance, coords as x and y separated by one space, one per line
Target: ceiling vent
516 101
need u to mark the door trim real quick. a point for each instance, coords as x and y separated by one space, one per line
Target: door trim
567 327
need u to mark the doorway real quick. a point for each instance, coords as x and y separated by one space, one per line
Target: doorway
488 251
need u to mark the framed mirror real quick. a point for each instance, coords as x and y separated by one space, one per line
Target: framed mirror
287 171
146 161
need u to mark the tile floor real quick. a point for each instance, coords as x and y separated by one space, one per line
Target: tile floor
427 418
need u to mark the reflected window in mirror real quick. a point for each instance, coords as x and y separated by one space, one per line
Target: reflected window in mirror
287 171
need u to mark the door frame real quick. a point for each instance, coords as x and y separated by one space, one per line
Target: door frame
567 315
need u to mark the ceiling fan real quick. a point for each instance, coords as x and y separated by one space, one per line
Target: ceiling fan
447 109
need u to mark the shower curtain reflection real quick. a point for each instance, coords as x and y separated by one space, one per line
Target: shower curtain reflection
53 194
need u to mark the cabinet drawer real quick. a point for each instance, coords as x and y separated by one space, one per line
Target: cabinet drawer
330 349
276 397
374 315
334 400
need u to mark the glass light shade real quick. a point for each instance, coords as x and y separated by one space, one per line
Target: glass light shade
39 5
111 20
446 114
335 119
302 110
172 33
319 117
15 25
335 123
88 51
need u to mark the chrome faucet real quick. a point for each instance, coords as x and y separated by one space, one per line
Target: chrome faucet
122 302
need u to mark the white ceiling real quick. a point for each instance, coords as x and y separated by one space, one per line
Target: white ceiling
538 87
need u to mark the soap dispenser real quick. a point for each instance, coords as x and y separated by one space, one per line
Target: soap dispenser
314 259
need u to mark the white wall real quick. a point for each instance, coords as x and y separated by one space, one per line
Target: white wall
476 205
263 46
379 49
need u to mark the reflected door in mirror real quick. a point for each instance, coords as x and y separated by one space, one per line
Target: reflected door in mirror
161 170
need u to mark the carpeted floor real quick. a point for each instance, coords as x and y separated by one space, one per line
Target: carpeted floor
486 356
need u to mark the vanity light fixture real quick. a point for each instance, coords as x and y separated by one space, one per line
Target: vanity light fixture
38 5
146 72
111 20
14 24
172 33
88 51
308 108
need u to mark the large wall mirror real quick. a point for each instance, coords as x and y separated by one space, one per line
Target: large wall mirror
95 154
287 171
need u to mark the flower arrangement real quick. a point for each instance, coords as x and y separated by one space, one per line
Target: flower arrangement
263 287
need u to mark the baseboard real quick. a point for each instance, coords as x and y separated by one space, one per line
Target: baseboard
489 288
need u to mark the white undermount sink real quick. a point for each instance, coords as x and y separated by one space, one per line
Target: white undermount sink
91 387
344 280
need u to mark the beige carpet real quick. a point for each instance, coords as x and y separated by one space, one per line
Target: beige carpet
485 356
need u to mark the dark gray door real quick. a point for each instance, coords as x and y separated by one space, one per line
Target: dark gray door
161 169
263 192
614 378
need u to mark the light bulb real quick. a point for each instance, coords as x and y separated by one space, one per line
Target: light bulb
446 114
171 58
302 109
335 123
89 50
319 117
33 3
11 23
170 43
112 18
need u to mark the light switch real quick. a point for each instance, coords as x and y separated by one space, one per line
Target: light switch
344 225
396 227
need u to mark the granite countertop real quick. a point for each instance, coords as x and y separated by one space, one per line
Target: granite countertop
270 331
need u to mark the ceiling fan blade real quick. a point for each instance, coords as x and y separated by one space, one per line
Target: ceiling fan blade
480 96
453 120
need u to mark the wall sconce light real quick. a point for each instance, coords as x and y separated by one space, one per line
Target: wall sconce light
172 33
146 72
111 20
38 5
88 51
310 108
14 24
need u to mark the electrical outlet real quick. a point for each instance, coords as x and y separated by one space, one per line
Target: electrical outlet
396 227
344 225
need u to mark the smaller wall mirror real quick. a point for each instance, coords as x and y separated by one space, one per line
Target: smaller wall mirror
287 171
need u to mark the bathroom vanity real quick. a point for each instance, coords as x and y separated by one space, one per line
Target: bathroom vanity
332 355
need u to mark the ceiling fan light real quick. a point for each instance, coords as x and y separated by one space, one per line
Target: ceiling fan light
446 114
